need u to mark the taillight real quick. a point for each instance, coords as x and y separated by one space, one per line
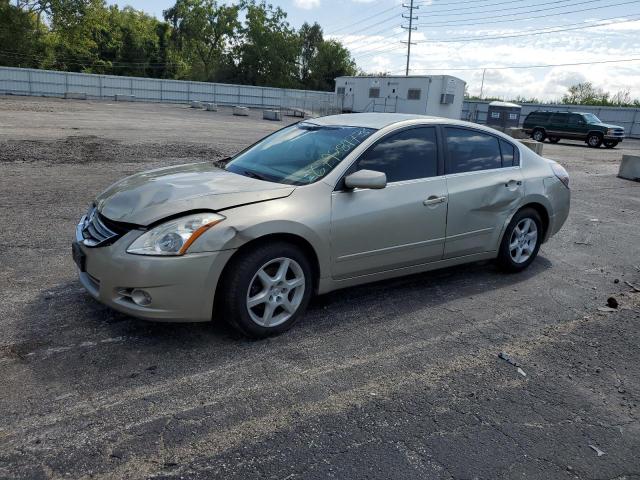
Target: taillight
561 173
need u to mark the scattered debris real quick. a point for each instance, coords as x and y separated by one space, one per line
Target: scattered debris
594 220
633 287
597 450
607 309
617 280
582 243
505 356
521 372
612 302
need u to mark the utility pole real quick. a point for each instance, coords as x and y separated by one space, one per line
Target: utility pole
484 70
410 28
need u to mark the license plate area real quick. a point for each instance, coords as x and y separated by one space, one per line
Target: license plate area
79 257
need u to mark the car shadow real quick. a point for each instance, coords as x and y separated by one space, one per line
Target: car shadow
66 325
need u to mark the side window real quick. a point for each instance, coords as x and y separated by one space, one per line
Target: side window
374 92
509 154
406 155
413 94
559 118
576 119
470 150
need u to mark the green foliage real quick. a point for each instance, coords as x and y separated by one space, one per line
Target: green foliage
587 94
22 41
198 40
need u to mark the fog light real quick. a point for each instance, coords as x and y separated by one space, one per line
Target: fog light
140 297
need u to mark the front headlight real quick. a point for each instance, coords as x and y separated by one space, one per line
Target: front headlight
175 236
610 131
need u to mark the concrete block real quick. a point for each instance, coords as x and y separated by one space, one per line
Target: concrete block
211 107
533 145
75 95
516 132
271 115
241 111
196 104
125 98
630 167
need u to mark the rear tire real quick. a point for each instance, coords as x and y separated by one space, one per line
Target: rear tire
521 241
266 290
538 135
594 140
554 139
610 143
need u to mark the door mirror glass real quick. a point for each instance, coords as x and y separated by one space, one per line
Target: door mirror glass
366 179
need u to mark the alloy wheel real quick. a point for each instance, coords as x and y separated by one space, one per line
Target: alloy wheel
524 239
275 292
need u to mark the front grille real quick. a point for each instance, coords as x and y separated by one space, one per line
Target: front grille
98 230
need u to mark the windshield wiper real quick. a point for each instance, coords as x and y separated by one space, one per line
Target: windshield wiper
257 176
222 162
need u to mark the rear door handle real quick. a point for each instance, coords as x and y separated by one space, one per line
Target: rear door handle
433 200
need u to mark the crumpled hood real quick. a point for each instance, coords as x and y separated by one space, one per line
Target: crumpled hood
150 196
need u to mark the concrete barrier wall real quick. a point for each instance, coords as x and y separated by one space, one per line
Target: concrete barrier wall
629 118
49 83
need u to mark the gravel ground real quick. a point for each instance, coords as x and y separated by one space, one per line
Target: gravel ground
399 379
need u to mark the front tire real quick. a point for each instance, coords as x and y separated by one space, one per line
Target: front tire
610 143
266 290
538 135
594 140
521 241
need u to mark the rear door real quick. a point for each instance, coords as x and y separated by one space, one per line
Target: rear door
400 225
484 182
558 125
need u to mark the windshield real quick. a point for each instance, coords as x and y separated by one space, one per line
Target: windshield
299 154
591 118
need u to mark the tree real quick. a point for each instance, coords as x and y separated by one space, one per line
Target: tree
21 37
585 93
332 60
268 48
310 41
203 32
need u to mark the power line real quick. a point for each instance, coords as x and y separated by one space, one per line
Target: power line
527 34
448 14
452 23
513 67
509 2
363 20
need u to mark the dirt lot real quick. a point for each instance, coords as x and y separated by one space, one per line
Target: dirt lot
400 379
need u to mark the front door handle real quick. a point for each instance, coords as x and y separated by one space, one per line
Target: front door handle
434 200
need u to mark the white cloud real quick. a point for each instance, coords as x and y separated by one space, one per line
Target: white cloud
376 53
306 4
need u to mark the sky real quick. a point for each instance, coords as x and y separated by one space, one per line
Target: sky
467 38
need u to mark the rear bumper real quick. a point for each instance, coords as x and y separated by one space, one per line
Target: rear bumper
182 289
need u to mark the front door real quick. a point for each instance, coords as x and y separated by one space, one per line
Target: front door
400 225
484 182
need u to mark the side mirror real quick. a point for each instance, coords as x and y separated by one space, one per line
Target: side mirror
366 179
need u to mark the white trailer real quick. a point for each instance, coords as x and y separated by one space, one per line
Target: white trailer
438 95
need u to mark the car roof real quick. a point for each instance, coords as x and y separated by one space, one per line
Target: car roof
379 121
369 120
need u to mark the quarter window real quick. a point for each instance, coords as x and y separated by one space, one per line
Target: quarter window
509 158
470 150
406 155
